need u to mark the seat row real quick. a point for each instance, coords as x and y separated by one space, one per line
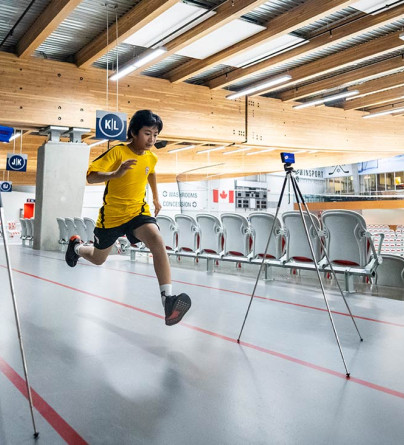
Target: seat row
342 233
84 227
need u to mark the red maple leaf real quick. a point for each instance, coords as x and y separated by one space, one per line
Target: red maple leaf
223 195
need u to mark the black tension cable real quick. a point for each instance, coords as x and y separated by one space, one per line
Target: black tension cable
10 33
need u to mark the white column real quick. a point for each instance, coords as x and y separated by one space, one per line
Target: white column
60 184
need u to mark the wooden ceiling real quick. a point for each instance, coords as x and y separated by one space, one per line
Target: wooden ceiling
344 49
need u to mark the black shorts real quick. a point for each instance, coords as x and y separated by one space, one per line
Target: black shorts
104 238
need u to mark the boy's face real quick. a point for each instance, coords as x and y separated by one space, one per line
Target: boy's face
146 138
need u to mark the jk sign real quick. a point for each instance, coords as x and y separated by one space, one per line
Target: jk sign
111 125
6 186
16 163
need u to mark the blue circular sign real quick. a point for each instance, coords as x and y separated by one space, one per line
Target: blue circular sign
16 163
111 125
5 186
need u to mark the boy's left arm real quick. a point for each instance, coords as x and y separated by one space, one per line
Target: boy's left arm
152 179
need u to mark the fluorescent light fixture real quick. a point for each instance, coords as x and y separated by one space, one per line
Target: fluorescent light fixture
208 150
188 147
370 6
15 136
384 113
322 100
223 37
236 151
142 59
261 86
275 46
261 151
98 143
169 24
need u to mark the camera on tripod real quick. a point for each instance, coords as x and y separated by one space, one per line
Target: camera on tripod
288 158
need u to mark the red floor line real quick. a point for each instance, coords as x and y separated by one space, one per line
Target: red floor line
232 340
359 317
47 412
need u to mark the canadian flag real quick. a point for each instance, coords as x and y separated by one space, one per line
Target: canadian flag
223 196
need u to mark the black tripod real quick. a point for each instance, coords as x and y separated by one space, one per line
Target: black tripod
289 178
17 319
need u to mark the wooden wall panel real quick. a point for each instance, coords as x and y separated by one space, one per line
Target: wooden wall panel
39 92
276 123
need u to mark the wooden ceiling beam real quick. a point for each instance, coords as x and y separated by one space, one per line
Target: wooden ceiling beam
292 20
343 59
384 67
375 99
224 14
138 17
44 25
366 23
377 85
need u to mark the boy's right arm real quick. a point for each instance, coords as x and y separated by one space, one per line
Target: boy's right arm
94 177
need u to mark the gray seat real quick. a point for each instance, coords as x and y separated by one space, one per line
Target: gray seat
188 233
347 240
81 228
23 223
90 225
71 227
261 225
168 230
297 246
210 234
236 233
63 233
391 271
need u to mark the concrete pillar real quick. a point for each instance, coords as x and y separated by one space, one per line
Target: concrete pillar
60 185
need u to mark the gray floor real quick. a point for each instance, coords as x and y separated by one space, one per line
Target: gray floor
106 370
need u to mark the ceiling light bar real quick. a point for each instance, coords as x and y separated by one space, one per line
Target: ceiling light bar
312 103
261 151
141 60
98 143
14 136
188 147
261 86
384 113
208 150
236 151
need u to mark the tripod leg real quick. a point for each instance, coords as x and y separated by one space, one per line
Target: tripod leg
36 433
329 262
263 258
295 187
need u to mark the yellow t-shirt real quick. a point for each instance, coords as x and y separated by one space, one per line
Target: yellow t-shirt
124 198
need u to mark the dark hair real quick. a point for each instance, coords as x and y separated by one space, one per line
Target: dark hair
144 118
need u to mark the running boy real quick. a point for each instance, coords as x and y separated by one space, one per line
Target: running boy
126 169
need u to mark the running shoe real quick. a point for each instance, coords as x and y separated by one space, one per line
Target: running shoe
71 256
176 307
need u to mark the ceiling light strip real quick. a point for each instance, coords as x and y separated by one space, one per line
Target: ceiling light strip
261 151
384 113
236 151
138 62
208 150
175 150
322 100
261 86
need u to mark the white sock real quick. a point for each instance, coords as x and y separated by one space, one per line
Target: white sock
77 248
166 290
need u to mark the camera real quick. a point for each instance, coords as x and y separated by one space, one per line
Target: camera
288 158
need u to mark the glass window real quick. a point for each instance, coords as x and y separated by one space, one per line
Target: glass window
390 181
399 180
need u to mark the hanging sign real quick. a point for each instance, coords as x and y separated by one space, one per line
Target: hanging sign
110 125
6 186
6 133
16 162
